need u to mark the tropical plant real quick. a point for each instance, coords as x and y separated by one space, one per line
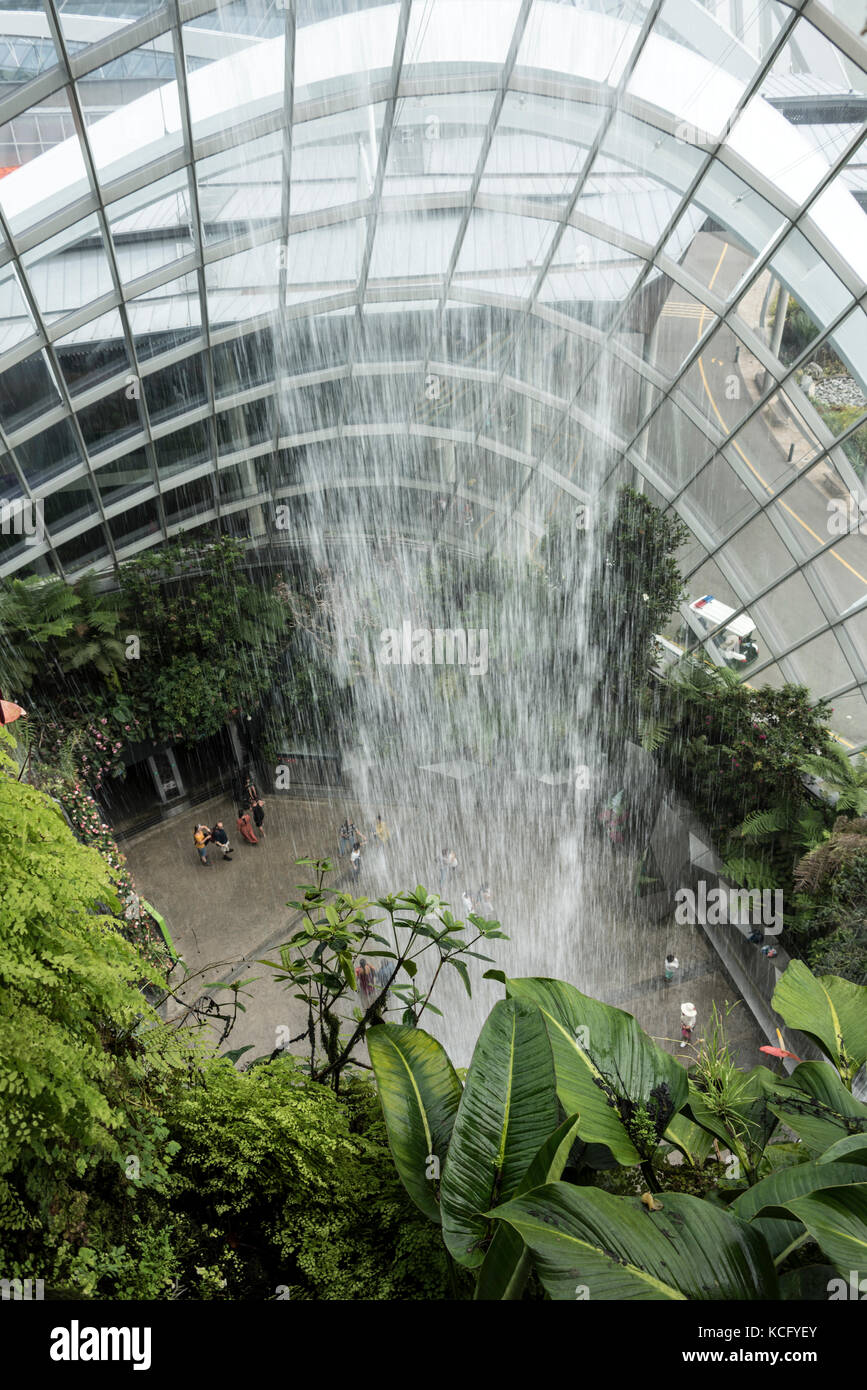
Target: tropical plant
513 1195
321 960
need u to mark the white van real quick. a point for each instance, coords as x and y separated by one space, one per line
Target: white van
735 641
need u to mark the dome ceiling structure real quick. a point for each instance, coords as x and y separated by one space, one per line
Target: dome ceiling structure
459 265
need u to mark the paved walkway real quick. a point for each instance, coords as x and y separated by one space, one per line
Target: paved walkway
224 917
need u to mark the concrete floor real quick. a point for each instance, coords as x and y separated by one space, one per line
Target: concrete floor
224 917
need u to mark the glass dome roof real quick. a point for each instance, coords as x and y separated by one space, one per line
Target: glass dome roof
304 255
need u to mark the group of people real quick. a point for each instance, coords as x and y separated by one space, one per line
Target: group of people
251 819
352 839
688 1011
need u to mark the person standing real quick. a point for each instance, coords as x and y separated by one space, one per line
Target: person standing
200 840
688 1013
486 901
467 902
345 838
250 792
383 834
245 826
221 840
672 965
355 859
259 817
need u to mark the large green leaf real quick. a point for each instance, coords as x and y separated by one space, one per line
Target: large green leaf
814 1102
837 1220
690 1138
507 1263
420 1092
779 1189
831 1011
587 1243
608 1069
852 1149
507 1111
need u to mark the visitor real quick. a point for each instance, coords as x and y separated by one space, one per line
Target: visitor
345 838
200 840
366 978
486 900
355 859
356 835
672 965
688 1014
250 792
382 832
259 817
221 839
467 902
245 826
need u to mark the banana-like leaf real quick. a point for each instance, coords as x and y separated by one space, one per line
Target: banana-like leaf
691 1139
837 1220
420 1092
587 1243
814 1102
608 1070
830 1010
779 1189
850 1150
507 1264
507 1111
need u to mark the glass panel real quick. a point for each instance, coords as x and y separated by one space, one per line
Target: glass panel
68 505
27 390
787 615
111 419
334 158
435 144
151 228
28 195
555 41
776 443
123 476
48 454
135 523
245 361
84 550
799 267
588 277
448 29
91 20
682 321
719 501
93 353
248 425
502 253
69 270
316 341
746 225
345 55
183 449
164 317
409 247
715 381
772 133
140 128
821 665
539 148
16 322
191 501
390 332
240 188
705 71
176 389
478 335
758 553
24 56
245 285
674 446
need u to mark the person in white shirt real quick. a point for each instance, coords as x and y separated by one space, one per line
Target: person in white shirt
672 965
467 902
